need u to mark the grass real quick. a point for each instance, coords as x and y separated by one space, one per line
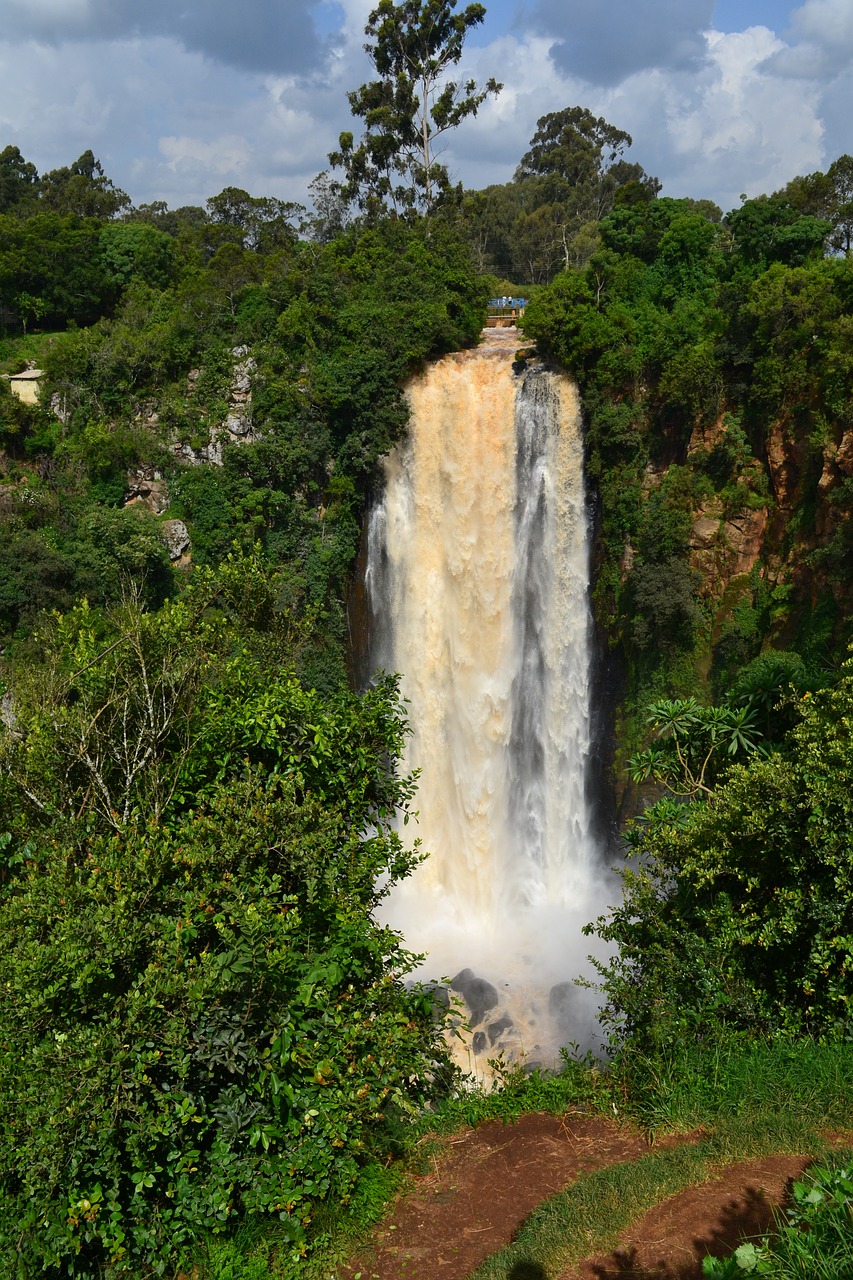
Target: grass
721 1085
16 351
579 1083
752 1101
745 1100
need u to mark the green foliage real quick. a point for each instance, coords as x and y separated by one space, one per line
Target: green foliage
107 369
579 1082
201 1018
548 217
136 251
739 917
82 188
814 1237
731 453
632 326
413 46
16 418
694 745
51 259
400 294
771 685
218 1034
333 332
262 224
769 229
830 196
771 1086
18 181
666 613
97 553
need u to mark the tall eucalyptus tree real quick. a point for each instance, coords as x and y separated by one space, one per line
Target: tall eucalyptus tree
414 47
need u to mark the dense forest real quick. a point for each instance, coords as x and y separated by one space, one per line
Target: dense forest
202 1022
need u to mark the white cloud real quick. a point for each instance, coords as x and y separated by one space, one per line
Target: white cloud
740 129
228 154
487 149
729 127
827 24
820 41
55 102
174 124
819 52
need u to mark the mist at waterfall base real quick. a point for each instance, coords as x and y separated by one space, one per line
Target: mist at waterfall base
477 581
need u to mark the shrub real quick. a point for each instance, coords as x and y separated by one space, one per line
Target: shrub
201 1018
814 1239
666 612
739 917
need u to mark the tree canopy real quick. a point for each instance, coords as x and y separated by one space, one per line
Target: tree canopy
548 217
414 46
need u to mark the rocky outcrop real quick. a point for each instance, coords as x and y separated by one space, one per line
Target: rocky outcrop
147 488
844 453
705 435
837 463
786 455
479 995
723 547
238 422
237 426
744 538
176 537
705 533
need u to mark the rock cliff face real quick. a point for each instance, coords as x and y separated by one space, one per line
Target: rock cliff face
779 538
146 487
236 426
177 539
727 539
724 548
837 468
768 562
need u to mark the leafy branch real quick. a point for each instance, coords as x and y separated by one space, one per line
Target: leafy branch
694 745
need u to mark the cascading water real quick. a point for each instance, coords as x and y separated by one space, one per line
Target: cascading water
477 575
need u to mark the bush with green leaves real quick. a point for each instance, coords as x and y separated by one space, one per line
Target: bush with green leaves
694 744
738 916
202 1019
814 1238
97 551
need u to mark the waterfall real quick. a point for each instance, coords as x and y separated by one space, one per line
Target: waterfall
477 577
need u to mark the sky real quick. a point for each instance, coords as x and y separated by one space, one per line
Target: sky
181 98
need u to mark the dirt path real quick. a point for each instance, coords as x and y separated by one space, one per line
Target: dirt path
670 1241
482 1187
487 1181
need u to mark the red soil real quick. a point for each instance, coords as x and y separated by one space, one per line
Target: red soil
485 1182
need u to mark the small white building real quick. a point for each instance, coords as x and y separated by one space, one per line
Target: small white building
25 385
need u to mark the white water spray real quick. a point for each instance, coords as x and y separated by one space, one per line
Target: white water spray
477 577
